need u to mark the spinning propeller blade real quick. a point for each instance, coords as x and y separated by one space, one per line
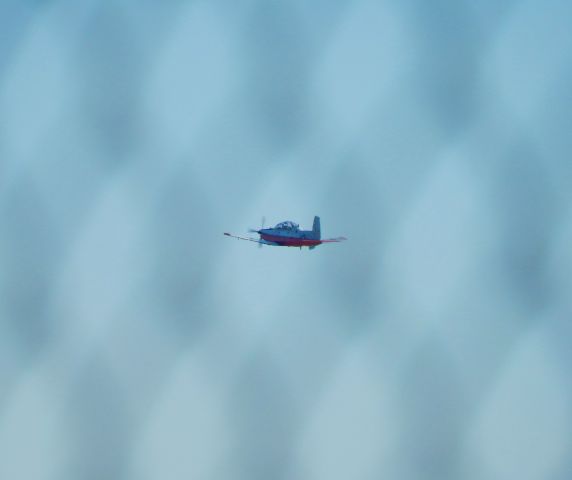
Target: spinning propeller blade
252 230
262 228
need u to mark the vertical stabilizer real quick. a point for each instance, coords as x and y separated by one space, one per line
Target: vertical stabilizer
316 229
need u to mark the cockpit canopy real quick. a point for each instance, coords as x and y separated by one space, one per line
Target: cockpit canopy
288 225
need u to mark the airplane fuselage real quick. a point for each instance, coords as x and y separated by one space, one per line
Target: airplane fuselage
300 238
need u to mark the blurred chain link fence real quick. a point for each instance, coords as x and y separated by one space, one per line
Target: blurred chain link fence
136 342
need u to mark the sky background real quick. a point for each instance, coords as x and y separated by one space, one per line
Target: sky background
139 343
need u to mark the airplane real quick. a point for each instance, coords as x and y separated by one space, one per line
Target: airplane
288 234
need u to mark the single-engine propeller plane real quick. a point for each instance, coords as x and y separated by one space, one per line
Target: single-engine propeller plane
288 234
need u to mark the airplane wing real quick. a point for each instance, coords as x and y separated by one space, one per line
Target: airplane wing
331 240
243 238
255 240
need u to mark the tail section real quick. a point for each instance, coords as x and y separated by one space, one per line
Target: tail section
316 229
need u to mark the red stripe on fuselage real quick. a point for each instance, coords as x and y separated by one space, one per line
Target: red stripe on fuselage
290 241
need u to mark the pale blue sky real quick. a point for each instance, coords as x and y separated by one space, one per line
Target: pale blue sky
137 342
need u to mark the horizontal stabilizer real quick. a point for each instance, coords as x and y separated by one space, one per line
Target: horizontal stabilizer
331 240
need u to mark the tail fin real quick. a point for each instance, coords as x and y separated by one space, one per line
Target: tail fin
316 228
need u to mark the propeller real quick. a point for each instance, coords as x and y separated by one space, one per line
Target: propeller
251 230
